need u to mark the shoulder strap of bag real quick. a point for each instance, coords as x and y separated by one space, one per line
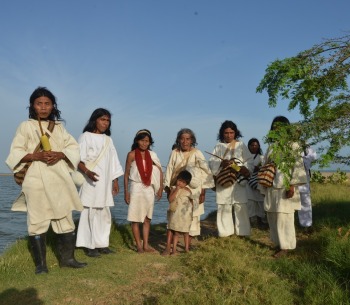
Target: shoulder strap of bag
106 145
50 128
37 148
229 147
183 163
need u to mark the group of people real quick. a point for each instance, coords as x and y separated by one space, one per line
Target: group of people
50 194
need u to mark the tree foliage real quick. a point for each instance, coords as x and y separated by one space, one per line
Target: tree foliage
315 81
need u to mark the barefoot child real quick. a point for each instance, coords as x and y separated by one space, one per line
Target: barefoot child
143 169
180 212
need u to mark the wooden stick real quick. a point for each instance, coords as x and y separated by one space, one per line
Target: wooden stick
41 128
214 155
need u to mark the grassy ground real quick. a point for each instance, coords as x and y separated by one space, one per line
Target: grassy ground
218 271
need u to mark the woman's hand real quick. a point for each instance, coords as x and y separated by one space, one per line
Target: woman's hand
127 197
91 175
115 189
290 192
225 163
159 194
202 196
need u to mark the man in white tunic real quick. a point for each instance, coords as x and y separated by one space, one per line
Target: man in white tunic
281 203
48 193
234 196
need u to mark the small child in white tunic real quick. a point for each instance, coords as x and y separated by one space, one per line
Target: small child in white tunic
180 212
143 170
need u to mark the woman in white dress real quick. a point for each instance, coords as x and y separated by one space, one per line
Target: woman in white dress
143 171
100 186
185 156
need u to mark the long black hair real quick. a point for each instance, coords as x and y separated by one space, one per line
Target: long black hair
141 134
55 114
91 124
225 125
280 119
252 140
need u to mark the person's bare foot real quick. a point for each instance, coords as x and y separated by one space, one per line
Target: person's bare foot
149 250
166 252
139 250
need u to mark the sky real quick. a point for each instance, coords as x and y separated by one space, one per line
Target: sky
162 65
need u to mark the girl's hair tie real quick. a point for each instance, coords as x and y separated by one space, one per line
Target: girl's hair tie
143 131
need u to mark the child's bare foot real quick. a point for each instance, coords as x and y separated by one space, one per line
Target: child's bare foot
139 250
149 250
174 253
166 252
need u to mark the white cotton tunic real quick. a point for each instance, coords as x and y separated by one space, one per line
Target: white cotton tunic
99 194
48 189
180 220
275 196
280 209
236 192
141 196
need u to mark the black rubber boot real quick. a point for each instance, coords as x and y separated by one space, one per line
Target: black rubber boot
92 252
105 250
38 247
66 246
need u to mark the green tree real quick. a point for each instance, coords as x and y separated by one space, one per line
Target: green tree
316 81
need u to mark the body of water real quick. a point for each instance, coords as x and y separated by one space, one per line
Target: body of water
13 225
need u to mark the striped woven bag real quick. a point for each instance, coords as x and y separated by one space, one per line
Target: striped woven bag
266 174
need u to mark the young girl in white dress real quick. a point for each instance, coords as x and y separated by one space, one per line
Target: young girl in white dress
143 171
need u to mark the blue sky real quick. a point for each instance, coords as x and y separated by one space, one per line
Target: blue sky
161 65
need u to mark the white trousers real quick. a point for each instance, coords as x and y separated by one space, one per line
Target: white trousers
282 230
224 220
305 214
59 226
94 228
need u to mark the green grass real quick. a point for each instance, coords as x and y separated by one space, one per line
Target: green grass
218 271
